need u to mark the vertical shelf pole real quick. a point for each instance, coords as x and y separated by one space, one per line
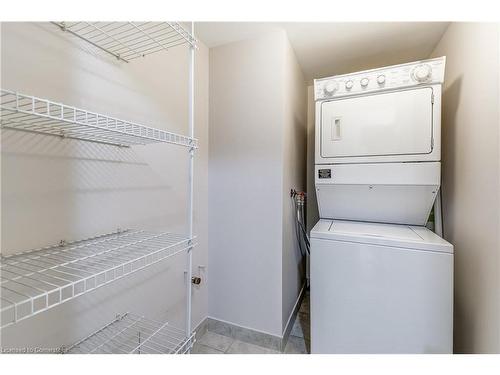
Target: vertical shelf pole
190 185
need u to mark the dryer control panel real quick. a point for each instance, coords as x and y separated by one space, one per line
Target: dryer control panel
382 79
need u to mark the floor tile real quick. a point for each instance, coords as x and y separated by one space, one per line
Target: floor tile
240 347
302 326
297 330
222 341
203 349
296 345
216 341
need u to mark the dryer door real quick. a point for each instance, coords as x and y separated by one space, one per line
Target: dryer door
394 123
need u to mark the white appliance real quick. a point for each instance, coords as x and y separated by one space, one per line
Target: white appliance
380 288
378 143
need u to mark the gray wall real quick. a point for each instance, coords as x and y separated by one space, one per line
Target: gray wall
55 189
253 131
471 180
312 203
294 176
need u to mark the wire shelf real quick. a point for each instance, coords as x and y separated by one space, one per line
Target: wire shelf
37 280
42 116
134 334
130 40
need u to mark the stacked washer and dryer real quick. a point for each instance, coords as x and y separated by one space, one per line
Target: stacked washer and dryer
381 282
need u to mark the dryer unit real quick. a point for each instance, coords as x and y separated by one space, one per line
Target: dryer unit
378 137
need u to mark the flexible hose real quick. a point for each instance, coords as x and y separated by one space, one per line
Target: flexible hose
300 231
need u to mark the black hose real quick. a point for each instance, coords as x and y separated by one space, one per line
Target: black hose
302 238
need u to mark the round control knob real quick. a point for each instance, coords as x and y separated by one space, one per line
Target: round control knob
349 84
422 73
381 79
330 87
364 82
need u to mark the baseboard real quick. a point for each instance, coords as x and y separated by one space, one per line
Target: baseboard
293 315
244 334
201 328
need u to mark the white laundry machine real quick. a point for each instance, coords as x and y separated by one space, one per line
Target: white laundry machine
380 281
380 288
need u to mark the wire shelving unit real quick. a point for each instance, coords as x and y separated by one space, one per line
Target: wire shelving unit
37 280
134 334
42 116
130 40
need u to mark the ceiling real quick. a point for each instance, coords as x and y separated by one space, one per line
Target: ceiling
324 49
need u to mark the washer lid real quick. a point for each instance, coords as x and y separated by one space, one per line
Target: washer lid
403 236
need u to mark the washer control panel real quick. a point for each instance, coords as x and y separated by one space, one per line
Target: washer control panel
392 77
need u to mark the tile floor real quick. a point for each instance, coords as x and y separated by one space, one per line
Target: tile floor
298 342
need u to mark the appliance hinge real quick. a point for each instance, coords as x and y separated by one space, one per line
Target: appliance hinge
432 98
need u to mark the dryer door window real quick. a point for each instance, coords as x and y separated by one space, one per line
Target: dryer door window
395 123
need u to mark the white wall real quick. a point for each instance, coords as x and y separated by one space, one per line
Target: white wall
249 127
471 180
55 189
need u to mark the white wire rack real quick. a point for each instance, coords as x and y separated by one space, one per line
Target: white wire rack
134 334
37 280
42 116
130 40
